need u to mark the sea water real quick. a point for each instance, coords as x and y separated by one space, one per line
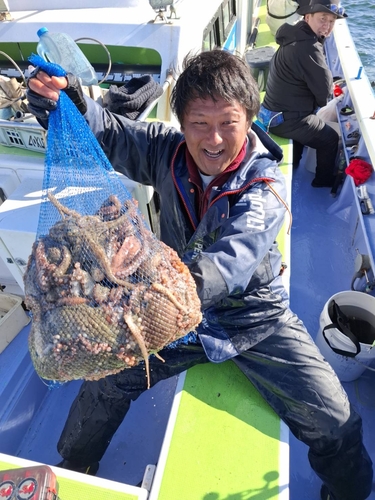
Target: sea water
361 22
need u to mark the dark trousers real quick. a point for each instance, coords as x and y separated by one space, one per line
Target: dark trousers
313 132
286 368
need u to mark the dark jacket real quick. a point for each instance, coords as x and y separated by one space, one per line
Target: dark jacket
231 252
299 78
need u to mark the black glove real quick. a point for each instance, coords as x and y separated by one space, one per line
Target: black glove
75 93
41 106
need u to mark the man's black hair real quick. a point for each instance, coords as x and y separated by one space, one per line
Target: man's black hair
213 74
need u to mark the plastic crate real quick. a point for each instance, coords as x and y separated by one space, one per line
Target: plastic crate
12 318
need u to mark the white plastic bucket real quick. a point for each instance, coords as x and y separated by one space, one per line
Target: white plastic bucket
362 306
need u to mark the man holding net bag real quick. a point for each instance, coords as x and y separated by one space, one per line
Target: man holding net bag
222 208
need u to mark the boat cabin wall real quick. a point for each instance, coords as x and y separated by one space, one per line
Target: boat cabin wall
22 5
137 41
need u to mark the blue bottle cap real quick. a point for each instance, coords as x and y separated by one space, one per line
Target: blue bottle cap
41 31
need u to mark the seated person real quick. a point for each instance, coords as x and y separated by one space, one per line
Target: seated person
299 82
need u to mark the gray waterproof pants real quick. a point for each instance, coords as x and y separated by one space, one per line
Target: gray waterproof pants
311 131
286 368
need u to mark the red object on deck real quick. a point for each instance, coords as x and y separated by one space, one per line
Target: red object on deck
360 170
337 90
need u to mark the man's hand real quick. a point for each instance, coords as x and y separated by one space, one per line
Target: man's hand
47 86
43 93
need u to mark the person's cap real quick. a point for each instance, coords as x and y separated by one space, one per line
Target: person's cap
322 6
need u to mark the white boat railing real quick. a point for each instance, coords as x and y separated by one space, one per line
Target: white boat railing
360 97
166 86
358 85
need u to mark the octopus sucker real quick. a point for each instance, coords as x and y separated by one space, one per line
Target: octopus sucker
105 294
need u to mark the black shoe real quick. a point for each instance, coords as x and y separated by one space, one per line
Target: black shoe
325 494
326 183
91 469
346 111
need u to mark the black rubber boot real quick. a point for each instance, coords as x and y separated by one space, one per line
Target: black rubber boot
91 469
325 494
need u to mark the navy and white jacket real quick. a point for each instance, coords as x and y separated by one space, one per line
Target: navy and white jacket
231 252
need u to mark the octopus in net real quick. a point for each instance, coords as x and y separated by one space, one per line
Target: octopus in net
104 293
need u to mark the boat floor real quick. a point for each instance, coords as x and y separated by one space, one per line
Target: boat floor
320 258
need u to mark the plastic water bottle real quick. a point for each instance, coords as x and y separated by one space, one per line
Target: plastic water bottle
60 48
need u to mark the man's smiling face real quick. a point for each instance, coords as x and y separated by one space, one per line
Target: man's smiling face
215 132
322 23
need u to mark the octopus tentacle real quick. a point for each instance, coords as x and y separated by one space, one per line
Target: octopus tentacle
136 332
161 289
63 210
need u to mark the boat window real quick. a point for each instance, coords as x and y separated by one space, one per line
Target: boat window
226 14
212 35
2 196
218 29
229 16
207 41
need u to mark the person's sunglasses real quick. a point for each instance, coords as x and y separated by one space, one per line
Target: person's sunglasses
336 9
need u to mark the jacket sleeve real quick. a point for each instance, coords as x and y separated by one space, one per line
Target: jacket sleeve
316 74
140 150
245 240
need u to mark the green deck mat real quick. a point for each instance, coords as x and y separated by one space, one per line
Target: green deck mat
226 440
264 37
12 150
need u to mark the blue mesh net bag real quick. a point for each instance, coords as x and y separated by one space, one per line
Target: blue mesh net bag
104 292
